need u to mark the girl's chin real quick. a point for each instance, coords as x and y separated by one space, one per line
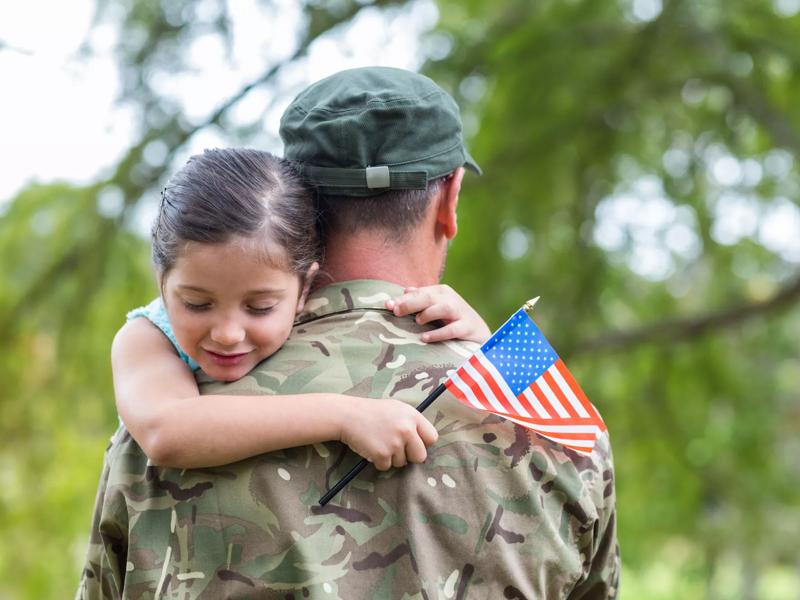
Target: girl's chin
226 374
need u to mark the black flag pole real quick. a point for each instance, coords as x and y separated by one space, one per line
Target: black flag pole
352 473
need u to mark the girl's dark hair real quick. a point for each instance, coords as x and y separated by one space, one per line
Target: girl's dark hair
221 194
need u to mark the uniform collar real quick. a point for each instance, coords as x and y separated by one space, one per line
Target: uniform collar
345 296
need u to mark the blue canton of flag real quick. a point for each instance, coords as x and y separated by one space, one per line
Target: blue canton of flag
519 351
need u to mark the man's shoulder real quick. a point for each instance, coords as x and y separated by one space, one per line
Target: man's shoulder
346 341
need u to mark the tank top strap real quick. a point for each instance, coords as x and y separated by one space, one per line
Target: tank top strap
156 313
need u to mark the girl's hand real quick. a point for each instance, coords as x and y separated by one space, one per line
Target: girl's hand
388 433
441 303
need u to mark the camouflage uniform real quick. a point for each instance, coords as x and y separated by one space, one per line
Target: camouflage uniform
495 512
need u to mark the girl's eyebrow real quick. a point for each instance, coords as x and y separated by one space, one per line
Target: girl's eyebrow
266 291
194 288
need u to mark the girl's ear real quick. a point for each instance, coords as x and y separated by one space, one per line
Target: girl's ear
307 280
161 280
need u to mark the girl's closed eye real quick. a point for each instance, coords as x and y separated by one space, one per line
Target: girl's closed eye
260 310
197 307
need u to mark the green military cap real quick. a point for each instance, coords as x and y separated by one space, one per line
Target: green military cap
364 131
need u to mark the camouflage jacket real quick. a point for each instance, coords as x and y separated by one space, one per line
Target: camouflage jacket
495 511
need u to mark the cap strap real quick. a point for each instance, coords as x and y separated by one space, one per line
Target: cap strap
376 178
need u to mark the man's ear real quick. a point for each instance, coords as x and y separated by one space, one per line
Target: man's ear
447 217
307 280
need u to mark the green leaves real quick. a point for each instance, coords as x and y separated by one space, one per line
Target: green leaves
642 160
640 175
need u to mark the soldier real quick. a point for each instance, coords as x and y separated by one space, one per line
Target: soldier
494 512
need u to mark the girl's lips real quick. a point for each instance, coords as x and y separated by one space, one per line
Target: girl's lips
226 360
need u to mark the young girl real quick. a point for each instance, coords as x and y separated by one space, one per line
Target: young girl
236 250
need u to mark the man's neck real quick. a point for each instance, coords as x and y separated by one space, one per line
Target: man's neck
370 256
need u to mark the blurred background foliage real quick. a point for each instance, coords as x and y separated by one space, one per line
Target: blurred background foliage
640 162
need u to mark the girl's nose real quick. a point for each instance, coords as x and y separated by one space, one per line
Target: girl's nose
227 333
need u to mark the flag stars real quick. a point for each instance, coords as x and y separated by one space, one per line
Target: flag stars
519 352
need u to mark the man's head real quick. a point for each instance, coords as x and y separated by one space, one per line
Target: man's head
377 144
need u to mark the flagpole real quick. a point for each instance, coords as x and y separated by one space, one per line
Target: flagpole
352 473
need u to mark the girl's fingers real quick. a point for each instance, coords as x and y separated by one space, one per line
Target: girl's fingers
392 303
427 432
451 331
415 450
399 458
383 463
436 312
410 303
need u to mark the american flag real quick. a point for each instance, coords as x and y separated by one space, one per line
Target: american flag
516 374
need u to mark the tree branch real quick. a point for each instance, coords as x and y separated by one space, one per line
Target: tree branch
175 133
61 268
6 46
681 330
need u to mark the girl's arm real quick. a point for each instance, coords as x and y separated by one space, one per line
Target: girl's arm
441 303
160 404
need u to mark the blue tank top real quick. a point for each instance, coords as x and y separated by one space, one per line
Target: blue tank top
156 313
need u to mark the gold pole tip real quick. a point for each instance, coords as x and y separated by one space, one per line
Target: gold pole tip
528 307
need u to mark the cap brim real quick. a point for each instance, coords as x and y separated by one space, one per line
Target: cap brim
470 163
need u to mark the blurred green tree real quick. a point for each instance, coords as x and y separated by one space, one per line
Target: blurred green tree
640 175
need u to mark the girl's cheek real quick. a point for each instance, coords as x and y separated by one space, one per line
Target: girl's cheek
186 323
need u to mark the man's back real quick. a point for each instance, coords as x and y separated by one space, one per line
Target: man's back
494 512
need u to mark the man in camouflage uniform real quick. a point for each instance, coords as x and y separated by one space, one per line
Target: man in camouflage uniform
494 512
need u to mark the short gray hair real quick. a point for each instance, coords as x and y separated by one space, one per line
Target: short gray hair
396 212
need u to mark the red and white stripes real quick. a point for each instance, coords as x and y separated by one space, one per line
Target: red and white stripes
553 406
